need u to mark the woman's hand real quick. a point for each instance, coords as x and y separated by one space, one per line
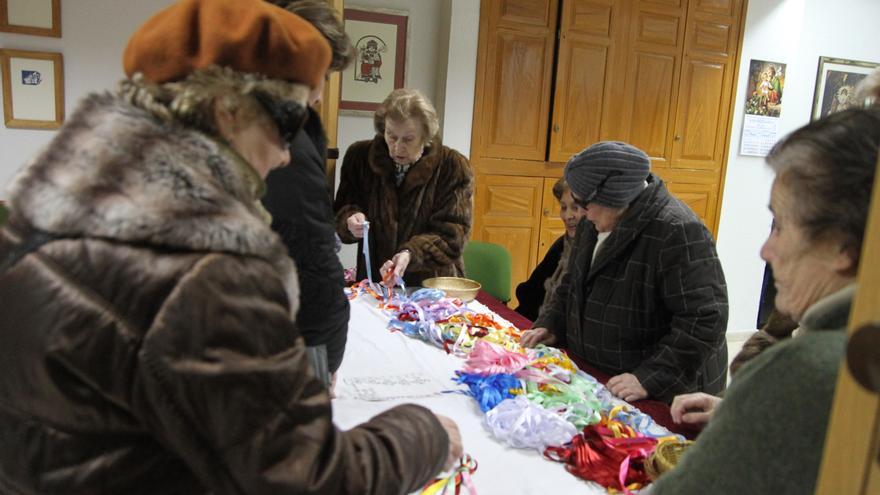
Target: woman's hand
695 408
455 447
535 336
398 263
627 387
356 224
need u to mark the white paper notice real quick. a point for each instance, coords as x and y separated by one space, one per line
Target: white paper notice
388 387
760 133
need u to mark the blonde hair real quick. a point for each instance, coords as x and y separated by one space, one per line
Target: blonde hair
403 104
190 101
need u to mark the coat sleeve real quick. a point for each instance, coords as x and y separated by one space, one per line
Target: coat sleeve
692 289
350 197
450 223
297 198
224 383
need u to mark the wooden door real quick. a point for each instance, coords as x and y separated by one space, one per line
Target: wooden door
852 444
507 211
552 227
329 112
655 48
517 39
588 87
701 130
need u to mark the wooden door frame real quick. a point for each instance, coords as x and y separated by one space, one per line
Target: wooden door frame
849 459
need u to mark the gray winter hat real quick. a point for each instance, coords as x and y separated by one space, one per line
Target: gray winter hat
610 173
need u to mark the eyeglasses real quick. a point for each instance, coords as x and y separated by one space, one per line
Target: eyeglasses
288 116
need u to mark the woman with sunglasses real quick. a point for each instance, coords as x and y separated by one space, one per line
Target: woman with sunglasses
147 317
644 299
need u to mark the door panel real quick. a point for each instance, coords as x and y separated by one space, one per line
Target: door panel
512 103
552 226
507 211
588 35
701 114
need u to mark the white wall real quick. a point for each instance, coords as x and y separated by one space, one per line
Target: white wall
94 34
795 32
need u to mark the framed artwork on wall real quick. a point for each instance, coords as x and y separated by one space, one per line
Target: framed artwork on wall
34 17
33 89
380 39
836 81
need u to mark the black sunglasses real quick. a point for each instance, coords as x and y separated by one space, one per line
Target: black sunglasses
288 116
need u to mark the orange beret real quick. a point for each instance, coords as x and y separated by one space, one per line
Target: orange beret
244 35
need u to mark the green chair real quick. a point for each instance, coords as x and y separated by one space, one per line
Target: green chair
4 213
490 265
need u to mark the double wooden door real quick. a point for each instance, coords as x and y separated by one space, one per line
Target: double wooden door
555 76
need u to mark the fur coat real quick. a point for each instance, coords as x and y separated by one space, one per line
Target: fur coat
430 213
148 347
653 303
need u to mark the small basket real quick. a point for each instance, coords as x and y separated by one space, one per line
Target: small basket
461 288
665 457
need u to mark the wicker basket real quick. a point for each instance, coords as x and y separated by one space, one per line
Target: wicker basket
665 457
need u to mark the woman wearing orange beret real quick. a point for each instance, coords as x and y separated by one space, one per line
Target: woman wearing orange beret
146 329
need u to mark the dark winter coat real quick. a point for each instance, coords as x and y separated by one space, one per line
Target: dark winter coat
654 302
150 347
299 200
430 213
532 292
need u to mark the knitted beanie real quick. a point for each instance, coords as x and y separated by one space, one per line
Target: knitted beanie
609 173
244 35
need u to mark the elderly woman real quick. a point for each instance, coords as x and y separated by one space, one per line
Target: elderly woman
534 294
766 436
644 299
147 338
415 192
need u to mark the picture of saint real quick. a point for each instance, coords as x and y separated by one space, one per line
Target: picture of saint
369 63
766 83
840 91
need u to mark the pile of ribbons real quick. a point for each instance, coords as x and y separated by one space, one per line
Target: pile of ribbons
532 398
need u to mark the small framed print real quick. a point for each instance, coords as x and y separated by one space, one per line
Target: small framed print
836 84
380 39
33 89
34 17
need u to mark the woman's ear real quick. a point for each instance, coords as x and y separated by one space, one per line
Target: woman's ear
224 119
846 261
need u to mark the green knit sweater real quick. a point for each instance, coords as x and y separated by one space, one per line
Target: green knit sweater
767 435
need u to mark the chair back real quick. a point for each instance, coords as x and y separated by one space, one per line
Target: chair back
490 265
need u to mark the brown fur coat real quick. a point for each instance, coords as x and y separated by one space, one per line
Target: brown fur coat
430 213
149 348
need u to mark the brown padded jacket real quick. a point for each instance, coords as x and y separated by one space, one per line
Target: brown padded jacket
149 347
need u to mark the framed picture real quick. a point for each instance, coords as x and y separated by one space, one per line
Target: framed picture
379 39
766 85
36 17
33 89
835 84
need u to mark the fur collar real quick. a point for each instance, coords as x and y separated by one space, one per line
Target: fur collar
116 172
419 174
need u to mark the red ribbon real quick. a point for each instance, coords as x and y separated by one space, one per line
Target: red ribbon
597 455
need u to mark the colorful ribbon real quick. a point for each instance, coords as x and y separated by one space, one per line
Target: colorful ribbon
459 476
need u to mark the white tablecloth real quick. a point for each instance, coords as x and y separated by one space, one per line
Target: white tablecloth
385 364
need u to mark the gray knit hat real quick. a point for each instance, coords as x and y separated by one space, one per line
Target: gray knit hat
610 173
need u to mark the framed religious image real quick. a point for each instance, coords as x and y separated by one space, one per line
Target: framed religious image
35 17
33 89
379 39
835 84
766 85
